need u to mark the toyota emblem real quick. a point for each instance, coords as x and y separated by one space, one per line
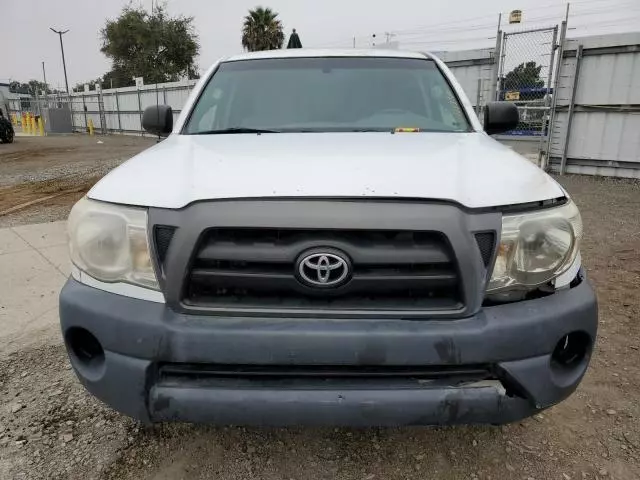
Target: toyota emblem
322 269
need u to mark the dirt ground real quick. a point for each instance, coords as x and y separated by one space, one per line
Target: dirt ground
50 428
41 178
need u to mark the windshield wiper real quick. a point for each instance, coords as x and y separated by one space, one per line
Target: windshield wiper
234 130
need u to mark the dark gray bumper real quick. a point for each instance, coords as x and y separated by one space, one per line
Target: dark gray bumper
514 341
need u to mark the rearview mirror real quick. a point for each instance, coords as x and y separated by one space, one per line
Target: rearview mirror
500 117
158 120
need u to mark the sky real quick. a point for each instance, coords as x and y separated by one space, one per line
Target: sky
416 24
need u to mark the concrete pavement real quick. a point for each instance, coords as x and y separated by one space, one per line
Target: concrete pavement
34 265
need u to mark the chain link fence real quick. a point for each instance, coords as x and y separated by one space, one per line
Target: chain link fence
525 76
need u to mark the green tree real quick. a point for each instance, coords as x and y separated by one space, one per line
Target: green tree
114 78
262 30
31 87
18 87
525 75
79 87
294 40
149 45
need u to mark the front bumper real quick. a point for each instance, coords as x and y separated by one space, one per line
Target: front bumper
513 342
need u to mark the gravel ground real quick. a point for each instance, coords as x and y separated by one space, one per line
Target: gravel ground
56 172
50 428
64 165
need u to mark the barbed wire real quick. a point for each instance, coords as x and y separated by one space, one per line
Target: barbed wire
439 30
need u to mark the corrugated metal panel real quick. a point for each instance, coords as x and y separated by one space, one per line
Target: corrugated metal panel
176 98
130 121
603 171
465 55
148 99
95 118
468 66
604 138
128 101
609 79
109 102
609 136
112 121
468 77
78 121
591 42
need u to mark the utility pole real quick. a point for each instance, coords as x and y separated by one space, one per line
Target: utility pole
44 74
64 65
497 57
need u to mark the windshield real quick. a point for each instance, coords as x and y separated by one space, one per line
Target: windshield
327 95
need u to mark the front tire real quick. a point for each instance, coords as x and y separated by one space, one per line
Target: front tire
6 135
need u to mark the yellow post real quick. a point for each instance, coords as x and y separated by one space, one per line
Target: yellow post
90 127
41 126
23 122
27 124
33 125
14 119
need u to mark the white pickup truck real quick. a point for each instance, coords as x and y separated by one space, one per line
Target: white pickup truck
328 237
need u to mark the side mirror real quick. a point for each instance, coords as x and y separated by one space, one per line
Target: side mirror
500 117
158 120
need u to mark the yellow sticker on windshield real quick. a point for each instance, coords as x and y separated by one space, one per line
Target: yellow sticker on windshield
407 129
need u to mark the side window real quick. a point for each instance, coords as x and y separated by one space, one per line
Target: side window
209 116
209 107
449 111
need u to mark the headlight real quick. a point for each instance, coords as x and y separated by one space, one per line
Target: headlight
110 243
536 247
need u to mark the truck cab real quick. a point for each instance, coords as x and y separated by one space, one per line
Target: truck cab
328 237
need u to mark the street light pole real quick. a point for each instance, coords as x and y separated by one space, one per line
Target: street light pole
64 65
44 74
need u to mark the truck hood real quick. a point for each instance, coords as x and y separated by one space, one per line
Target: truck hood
468 168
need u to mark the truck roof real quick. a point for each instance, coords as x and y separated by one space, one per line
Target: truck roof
308 52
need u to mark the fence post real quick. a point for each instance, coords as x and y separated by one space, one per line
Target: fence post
101 112
496 67
37 110
576 77
502 50
546 97
479 97
84 109
164 95
118 112
496 58
140 111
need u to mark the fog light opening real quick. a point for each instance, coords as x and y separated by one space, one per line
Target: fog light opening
571 350
87 353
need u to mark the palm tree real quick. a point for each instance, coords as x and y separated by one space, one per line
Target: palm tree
262 30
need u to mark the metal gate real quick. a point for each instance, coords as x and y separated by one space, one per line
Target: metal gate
525 73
